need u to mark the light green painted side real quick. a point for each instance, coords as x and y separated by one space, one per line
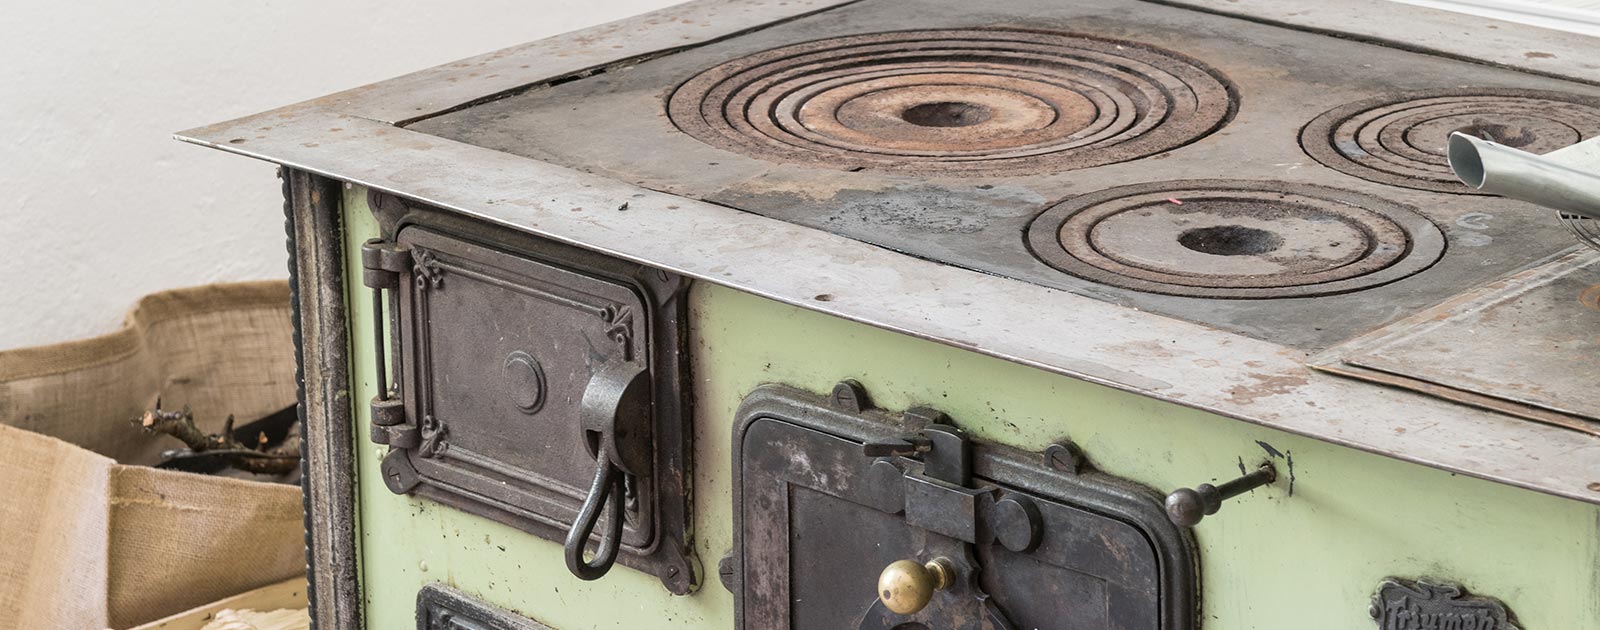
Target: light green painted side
1269 561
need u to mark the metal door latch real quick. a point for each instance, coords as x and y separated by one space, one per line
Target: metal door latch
1186 506
616 429
942 500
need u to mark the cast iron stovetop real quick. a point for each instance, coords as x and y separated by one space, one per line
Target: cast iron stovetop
1275 183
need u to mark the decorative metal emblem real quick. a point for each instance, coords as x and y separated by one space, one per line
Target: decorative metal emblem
434 434
440 607
427 270
1413 605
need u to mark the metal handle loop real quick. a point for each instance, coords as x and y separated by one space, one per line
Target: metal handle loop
606 490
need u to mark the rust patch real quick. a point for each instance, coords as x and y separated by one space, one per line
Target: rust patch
1590 298
1264 386
991 101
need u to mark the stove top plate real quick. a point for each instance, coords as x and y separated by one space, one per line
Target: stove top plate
851 164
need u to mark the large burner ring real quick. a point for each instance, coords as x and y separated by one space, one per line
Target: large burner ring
1235 239
1402 139
954 101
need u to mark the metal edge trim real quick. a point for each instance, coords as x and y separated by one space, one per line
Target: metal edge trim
1264 383
316 252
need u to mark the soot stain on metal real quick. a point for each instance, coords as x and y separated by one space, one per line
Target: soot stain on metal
927 209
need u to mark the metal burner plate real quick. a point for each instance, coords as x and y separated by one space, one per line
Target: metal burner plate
1401 139
954 101
769 121
1235 239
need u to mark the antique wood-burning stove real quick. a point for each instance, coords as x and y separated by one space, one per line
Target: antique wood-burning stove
928 314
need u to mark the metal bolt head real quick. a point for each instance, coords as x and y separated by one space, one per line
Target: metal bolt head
1065 457
1016 523
725 571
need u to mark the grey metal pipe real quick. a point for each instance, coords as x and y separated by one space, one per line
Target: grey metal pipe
1567 179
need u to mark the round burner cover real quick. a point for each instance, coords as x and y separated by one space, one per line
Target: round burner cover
1235 239
1401 139
954 101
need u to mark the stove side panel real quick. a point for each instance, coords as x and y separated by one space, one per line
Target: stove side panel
1269 560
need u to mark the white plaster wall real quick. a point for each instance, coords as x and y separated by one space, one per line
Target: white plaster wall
98 205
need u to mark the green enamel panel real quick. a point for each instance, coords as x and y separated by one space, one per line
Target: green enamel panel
1269 560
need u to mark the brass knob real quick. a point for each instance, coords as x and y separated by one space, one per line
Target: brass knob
906 587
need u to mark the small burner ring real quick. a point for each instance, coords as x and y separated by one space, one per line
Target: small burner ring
1401 139
1235 239
989 102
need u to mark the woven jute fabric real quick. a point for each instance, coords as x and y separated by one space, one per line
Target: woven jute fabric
220 349
94 543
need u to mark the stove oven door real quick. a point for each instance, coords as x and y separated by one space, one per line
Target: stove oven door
832 496
526 372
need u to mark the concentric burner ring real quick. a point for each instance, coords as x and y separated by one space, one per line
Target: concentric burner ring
953 101
1235 239
1401 139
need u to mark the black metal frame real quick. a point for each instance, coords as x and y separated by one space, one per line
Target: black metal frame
1059 473
315 231
440 607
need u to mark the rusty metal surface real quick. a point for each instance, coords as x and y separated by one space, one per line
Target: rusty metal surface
1403 139
1099 552
975 102
1282 81
1527 340
1235 239
1262 382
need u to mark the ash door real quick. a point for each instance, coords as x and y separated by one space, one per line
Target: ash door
850 517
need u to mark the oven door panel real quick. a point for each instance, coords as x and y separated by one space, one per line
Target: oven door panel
502 350
818 521
520 366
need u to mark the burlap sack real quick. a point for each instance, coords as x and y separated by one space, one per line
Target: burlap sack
220 349
86 542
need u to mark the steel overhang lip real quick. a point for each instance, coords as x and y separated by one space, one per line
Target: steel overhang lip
352 137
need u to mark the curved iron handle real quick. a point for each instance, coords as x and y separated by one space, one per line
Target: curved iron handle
606 490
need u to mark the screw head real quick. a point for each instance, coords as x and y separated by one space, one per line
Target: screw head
1065 457
725 572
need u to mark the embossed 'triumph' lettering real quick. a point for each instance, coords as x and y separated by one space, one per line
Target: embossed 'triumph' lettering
1408 605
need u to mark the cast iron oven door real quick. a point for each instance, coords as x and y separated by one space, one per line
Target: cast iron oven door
539 386
830 492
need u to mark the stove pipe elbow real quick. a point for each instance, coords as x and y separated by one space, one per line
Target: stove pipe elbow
1567 179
